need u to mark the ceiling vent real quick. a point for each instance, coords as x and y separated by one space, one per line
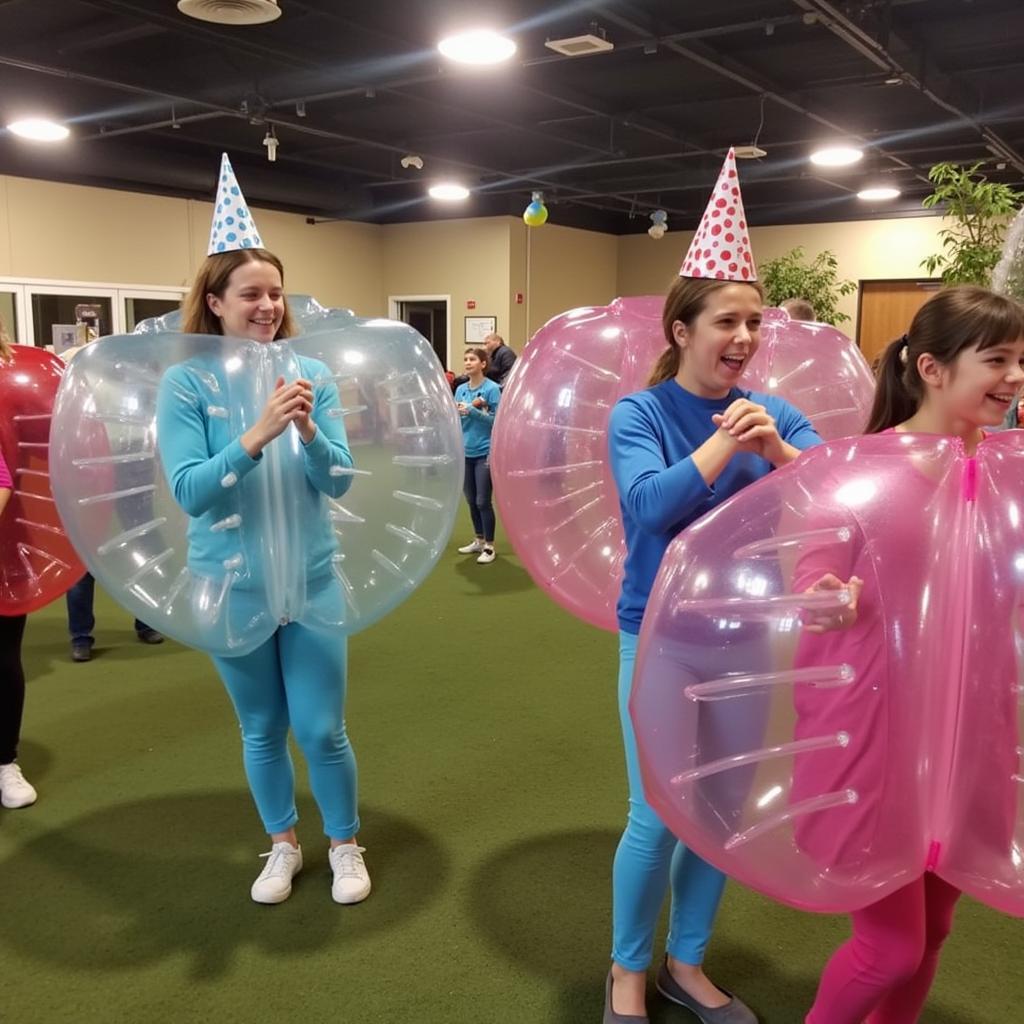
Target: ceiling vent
580 46
231 12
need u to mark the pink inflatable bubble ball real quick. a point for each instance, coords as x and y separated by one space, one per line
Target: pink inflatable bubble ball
549 452
827 689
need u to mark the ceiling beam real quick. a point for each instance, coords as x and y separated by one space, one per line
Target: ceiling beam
929 79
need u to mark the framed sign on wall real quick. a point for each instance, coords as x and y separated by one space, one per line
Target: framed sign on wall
478 327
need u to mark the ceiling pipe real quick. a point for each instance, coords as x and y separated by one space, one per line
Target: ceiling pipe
714 62
882 56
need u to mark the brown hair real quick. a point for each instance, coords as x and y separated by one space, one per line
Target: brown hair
685 302
5 345
954 320
480 352
212 279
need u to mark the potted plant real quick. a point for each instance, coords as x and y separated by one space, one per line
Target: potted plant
979 210
792 277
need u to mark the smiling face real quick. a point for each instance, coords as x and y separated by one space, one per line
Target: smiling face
979 387
720 341
252 305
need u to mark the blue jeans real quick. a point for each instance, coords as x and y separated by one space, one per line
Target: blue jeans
649 860
296 680
80 617
477 489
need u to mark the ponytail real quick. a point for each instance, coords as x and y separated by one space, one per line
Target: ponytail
894 403
666 367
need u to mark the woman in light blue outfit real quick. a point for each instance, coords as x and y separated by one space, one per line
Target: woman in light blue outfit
678 449
477 401
295 680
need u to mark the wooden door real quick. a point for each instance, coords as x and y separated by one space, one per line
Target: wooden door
886 309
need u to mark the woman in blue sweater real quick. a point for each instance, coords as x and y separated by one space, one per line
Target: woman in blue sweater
477 401
678 449
296 680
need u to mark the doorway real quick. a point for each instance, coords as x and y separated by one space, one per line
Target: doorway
885 309
428 314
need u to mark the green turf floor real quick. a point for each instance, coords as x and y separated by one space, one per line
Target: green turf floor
492 796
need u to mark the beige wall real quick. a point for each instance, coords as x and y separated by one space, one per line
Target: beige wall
867 250
568 268
466 259
5 230
51 230
95 234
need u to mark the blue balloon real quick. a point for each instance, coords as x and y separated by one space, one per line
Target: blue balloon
334 546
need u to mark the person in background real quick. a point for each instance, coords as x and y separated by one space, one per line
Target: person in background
15 791
81 620
500 359
80 599
799 309
477 402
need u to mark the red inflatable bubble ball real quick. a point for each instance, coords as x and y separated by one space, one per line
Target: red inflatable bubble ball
37 561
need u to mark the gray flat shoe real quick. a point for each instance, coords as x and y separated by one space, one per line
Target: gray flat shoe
734 1012
610 1016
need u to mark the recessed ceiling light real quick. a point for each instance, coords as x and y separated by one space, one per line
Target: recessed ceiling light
836 156
39 130
481 46
879 192
449 191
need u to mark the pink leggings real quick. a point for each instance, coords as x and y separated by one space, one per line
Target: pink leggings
882 975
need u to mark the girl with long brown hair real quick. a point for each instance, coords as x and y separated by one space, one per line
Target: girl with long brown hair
678 449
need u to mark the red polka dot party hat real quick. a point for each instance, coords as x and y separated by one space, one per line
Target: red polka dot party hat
721 246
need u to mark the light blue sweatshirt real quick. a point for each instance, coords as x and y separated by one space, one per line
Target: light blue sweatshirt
206 465
477 424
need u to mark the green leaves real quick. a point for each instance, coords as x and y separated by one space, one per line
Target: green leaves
980 210
791 277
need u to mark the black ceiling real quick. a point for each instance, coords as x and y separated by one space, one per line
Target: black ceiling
352 87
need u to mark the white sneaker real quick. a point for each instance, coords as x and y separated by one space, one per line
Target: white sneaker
472 549
274 885
14 790
486 555
351 879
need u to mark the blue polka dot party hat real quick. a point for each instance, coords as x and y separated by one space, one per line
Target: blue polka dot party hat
233 226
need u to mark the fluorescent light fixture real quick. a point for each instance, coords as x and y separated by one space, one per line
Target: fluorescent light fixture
836 156
480 47
879 192
449 191
39 130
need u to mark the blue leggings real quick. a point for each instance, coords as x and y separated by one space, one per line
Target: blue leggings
296 679
476 486
650 858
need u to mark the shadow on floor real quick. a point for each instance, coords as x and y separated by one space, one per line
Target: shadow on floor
142 882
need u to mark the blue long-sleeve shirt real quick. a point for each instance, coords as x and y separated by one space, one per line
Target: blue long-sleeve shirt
652 437
477 423
204 464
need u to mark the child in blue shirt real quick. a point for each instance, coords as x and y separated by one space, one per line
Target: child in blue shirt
678 449
477 401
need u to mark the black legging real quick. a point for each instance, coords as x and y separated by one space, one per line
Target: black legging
12 685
